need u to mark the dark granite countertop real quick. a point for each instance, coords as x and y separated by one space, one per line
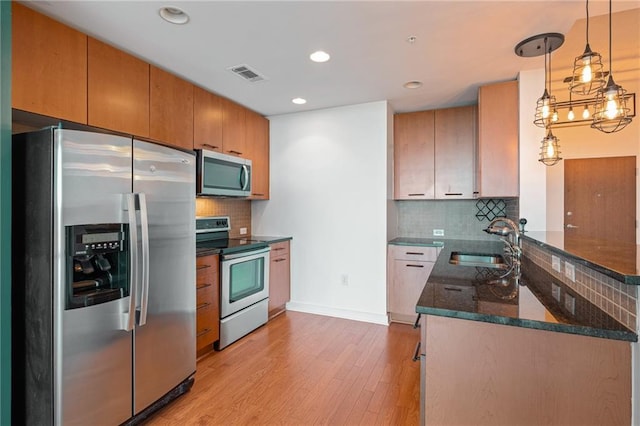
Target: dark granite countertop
207 251
423 242
481 294
270 240
612 258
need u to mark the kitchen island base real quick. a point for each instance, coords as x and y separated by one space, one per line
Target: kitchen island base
490 374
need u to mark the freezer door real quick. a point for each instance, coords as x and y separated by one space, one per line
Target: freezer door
164 338
92 352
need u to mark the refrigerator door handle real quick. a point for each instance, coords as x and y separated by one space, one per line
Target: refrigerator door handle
129 317
144 225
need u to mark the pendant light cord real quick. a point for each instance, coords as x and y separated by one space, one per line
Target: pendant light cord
587 22
610 63
545 64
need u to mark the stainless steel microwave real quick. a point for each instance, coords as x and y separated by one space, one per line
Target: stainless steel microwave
223 175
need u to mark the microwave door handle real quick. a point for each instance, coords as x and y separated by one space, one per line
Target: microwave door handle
129 317
245 175
144 225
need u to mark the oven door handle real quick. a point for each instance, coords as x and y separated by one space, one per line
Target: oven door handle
244 254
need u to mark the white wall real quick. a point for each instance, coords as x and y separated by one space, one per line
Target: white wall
329 192
533 204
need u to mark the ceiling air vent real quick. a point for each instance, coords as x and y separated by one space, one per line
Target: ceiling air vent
247 73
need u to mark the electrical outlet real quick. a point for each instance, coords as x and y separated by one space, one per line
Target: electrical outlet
555 291
570 271
555 263
438 232
344 279
570 303
243 231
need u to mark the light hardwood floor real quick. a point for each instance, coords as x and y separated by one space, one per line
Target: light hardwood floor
303 369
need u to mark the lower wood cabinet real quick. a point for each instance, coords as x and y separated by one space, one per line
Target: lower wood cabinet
491 374
207 303
409 268
279 278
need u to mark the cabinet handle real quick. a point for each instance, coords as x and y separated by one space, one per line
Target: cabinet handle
205 285
452 193
258 195
203 305
417 323
234 152
415 253
278 248
210 146
279 260
415 195
416 354
203 266
415 266
452 289
203 332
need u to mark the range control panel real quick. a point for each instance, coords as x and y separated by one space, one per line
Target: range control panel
212 224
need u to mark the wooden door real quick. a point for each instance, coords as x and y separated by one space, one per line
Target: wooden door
171 109
233 128
49 66
257 141
600 199
498 140
455 143
118 90
207 120
413 150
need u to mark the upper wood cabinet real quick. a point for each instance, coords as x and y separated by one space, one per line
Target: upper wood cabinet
413 155
233 128
257 141
118 90
498 140
455 135
49 66
171 109
207 120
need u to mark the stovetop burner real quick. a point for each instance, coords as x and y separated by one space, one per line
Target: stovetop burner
212 232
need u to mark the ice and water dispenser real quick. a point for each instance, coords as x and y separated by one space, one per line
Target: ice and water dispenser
97 264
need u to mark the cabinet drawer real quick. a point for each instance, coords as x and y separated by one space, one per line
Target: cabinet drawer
204 295
419 253
206 327
280 248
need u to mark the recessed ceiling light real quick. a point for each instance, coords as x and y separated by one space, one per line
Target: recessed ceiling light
174 15
412 84
411 39
319 56
299 101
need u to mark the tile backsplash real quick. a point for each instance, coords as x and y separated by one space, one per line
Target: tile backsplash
239 212
418 218
617 299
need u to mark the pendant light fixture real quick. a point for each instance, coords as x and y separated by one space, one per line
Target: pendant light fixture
588 76
550 150
546 103
611 111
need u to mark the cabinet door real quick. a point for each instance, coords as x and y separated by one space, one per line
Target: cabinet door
455 134
233 128
207 303
407 282
207 120
413 151
279 278
498 140
257 139
171 113
118 90
49 66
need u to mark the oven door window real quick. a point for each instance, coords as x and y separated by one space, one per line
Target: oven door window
246 278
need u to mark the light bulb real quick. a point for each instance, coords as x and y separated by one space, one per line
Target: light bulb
545 109
571 114
554 117
612 109
551 152
586 71
586 113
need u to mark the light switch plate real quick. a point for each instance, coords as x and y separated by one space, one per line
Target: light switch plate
555 263
570 271
243 231
438 232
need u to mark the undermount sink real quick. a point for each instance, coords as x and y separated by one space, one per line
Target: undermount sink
478 259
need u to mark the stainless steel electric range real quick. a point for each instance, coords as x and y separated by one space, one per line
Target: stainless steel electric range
244 278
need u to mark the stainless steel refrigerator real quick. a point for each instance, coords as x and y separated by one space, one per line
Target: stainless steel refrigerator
103 277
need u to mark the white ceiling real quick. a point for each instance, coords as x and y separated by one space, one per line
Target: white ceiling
460 45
